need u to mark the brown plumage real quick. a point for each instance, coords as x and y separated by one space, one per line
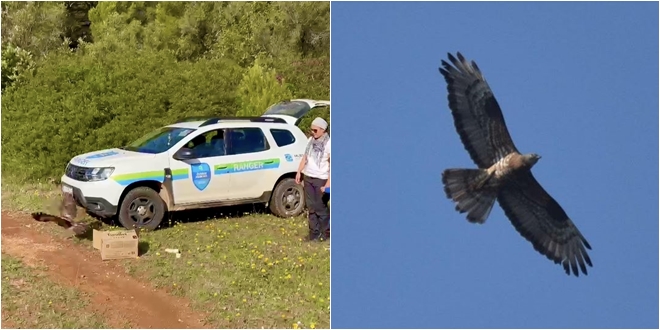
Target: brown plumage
504 174
68 213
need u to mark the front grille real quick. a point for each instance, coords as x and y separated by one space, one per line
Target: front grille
75 172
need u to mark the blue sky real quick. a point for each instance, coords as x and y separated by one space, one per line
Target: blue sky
578 84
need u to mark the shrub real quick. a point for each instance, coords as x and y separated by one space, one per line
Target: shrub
76 103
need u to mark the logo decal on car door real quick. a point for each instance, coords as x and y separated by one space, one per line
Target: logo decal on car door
201 175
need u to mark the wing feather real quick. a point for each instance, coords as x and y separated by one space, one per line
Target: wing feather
542 221
477 115
43 217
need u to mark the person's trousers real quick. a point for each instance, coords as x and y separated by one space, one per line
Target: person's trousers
317 204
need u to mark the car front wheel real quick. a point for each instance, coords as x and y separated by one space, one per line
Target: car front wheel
288 199
142 207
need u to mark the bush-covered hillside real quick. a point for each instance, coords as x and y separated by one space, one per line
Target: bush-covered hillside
82 76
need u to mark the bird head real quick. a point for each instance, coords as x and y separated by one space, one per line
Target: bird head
531 159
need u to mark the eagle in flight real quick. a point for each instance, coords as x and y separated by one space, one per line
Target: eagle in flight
67 214
503 174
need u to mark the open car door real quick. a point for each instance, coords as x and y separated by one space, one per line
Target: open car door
293 110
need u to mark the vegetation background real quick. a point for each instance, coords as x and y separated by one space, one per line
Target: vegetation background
83 76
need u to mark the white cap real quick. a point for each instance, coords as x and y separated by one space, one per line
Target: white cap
320 123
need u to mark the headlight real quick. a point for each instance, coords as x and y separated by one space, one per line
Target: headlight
98 173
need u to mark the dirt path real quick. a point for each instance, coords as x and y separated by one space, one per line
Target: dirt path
121 299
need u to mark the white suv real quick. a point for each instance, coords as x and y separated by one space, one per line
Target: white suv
197 163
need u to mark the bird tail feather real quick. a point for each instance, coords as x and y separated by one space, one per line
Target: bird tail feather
80 228
471 191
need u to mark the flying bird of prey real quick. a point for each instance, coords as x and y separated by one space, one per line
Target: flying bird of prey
503 174
67 214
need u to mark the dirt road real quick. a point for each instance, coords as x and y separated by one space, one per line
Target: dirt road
122 300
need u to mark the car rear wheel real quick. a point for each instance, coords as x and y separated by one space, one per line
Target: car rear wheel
142 207
288 199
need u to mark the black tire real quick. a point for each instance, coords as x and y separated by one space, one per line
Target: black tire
288 199
149 217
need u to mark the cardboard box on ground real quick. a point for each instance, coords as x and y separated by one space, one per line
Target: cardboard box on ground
116 244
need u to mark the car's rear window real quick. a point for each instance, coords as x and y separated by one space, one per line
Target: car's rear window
292 108
283 137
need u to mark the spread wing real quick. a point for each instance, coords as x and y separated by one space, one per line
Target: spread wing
68 212
78 228
43 217
68 208
540 219
477 115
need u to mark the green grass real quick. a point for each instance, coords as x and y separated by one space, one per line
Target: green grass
255 270
248 272
29 197
31 300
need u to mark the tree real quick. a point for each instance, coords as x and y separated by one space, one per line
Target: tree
260 88
16 62
77 23
34 26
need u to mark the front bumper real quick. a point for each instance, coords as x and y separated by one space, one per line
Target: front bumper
98 205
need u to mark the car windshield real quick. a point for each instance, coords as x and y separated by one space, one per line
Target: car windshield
291 108
159 140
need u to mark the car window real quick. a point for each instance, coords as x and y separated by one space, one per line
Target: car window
247 140
208 144
292 108
159 140
283 137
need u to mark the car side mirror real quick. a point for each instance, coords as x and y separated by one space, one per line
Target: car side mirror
184 154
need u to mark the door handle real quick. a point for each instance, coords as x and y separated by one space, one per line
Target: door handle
269 162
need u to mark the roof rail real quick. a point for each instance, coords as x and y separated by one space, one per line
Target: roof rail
189 119
211 121
214 120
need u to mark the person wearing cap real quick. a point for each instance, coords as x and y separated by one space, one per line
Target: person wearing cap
314 169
